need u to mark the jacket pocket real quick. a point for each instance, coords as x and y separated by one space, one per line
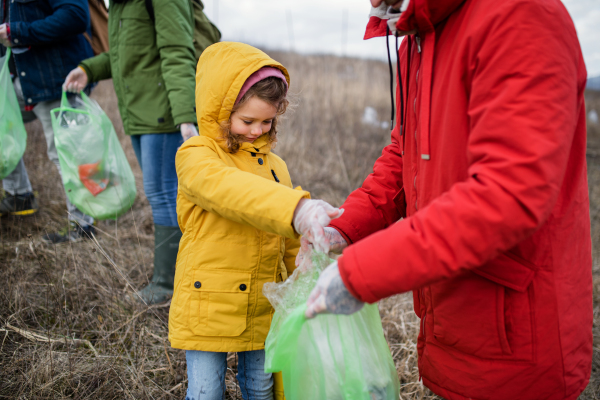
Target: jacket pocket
219 302
487 312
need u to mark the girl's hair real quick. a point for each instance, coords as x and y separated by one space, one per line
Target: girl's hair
271 90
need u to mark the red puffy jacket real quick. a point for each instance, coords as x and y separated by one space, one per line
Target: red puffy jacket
490 177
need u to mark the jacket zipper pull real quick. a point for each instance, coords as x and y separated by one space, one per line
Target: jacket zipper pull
275 176
418 39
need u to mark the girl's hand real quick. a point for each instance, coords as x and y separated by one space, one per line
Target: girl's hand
188 130
76 81
331 296
337 244
310 217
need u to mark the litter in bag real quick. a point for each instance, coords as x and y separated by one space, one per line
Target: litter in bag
95 172
13 137
329 357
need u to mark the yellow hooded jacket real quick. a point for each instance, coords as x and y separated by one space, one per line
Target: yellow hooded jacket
235 218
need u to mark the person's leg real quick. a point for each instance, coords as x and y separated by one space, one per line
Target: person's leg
17 182
206 375
255 384
20 199
160 177
157 155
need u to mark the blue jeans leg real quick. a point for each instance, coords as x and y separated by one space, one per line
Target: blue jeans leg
255 384
206 375
156 156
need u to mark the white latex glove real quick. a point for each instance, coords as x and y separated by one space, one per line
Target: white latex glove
331 296
337 244
4 36
188 131
310 217
76 81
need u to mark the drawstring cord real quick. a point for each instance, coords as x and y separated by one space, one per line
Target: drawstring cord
387 42
401 88
401 110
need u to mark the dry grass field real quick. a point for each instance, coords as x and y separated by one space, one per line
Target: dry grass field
69 325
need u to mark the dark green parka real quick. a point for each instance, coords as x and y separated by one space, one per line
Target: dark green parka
152 64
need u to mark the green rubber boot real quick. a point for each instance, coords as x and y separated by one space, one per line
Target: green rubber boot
166 245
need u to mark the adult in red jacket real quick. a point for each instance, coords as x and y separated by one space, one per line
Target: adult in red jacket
489 175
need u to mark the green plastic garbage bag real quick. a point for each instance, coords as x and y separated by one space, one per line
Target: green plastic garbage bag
13 137
97 177
329 357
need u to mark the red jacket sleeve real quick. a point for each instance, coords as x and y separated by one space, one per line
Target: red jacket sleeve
373 207
524 75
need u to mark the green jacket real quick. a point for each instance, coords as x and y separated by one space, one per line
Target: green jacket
152 64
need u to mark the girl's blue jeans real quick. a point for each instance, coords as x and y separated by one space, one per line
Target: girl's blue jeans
206 375
156 155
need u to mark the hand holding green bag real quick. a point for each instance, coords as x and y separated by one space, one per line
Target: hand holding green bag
329 357
95 172
13 137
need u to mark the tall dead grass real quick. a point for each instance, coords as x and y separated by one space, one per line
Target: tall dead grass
70 326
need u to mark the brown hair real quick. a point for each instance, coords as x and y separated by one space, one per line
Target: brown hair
271 90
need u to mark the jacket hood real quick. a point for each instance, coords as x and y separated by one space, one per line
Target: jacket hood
418 15
222 70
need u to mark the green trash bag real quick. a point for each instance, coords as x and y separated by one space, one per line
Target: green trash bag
97 177
329 357
13 137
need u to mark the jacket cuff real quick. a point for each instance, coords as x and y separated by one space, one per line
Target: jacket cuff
186 118
87 72
347 229
16 36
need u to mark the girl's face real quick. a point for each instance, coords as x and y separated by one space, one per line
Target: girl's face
253 119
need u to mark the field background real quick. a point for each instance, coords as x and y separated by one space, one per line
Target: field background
69 325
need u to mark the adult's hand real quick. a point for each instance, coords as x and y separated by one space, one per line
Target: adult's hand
76 81
188 130
394 3
331 296
310 217
4 41
337 244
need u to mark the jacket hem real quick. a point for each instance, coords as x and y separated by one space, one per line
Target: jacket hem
214 346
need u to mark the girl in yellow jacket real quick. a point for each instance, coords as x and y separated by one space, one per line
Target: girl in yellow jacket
240 219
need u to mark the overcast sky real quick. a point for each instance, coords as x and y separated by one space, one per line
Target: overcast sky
337 26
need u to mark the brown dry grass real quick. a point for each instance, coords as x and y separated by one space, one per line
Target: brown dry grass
69 327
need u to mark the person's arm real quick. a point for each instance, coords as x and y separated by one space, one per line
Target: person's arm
174 38
68 18
97 68
523 109
231 193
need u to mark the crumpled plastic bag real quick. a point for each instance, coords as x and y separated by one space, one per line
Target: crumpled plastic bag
13 137
329 357
95 172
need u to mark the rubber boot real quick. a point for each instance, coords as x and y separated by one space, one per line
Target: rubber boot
166 245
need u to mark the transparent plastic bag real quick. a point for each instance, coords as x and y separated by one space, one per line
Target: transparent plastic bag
329 357
96 175
13 137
